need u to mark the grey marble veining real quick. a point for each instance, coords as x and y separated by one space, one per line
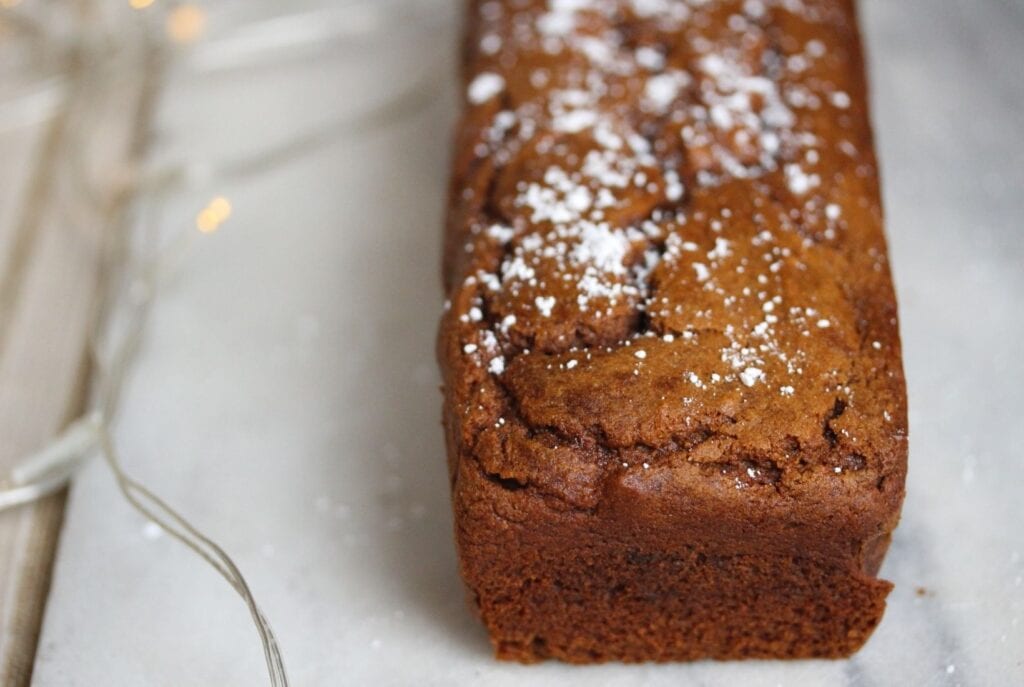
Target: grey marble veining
285 398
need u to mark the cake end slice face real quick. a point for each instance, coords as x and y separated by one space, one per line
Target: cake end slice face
673 561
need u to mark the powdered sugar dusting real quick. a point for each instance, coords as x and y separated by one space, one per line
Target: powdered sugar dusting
621 133
751 376
545 304
484 87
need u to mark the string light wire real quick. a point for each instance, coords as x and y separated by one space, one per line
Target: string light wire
157 510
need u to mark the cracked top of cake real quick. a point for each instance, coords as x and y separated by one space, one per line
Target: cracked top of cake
664 248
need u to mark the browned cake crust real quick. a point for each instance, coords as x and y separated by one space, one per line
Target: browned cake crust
674 403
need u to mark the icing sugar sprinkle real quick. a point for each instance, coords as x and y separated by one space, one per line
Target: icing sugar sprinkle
484 87
545 304
751 376
662 89
799 181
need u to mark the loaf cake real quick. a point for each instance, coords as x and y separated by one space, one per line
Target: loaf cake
674 402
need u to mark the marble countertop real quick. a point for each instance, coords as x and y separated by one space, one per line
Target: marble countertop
285 396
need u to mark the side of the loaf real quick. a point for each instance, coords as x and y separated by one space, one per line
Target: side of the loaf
674 401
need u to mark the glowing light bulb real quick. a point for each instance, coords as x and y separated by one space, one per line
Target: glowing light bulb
140 4
186 23
213 215
221 206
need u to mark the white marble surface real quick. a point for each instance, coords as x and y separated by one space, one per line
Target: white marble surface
285 397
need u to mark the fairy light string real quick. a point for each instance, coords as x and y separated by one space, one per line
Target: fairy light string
131 295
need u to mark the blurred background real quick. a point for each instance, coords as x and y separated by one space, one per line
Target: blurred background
220 228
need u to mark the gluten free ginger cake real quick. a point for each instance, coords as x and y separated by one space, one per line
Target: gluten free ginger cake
674 403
